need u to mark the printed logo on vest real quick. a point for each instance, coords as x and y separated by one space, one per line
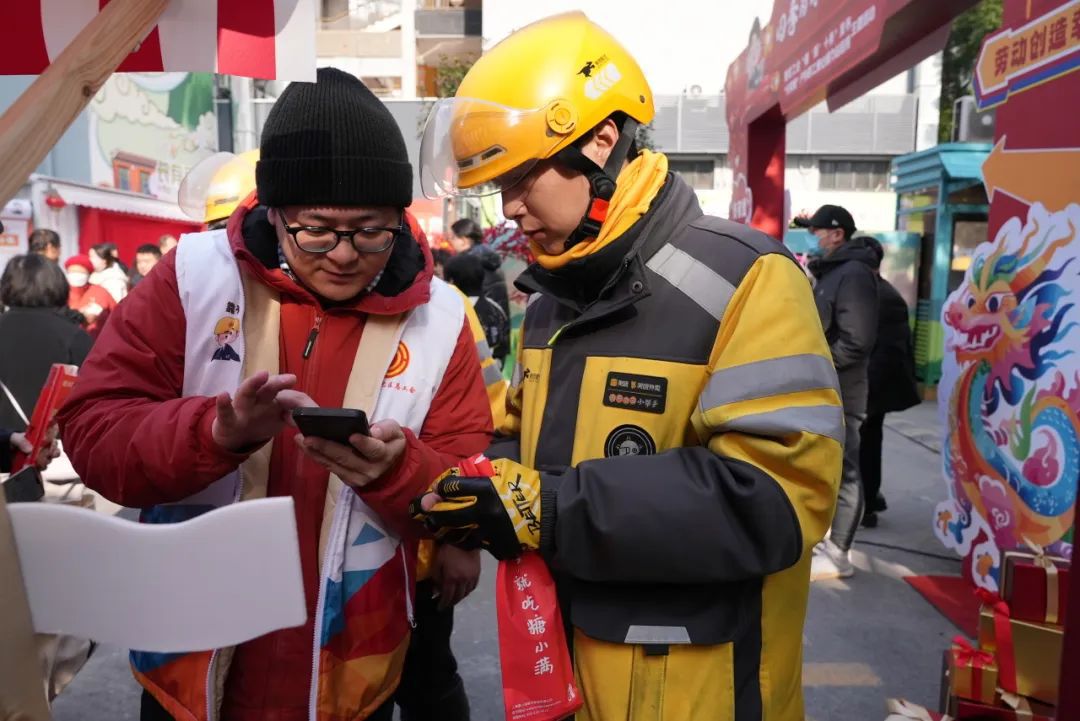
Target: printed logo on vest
647 394
629 440
226 331
400 362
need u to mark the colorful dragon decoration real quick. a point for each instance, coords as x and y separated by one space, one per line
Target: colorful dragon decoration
1011 394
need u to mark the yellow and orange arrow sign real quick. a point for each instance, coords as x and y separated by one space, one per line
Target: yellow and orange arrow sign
1050 176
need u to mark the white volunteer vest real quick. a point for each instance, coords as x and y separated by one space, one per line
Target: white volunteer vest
215 360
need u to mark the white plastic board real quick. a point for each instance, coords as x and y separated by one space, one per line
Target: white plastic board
225 577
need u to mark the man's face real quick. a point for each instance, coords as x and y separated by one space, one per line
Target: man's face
343 273
145 262
547 204
829 239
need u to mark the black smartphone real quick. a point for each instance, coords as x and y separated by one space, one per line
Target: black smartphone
333 424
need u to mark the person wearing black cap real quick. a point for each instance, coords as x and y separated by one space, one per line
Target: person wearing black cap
325 296
847 302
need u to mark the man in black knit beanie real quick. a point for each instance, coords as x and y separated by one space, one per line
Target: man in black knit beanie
326 298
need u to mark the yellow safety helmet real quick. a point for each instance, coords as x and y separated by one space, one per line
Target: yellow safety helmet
212 189
529 98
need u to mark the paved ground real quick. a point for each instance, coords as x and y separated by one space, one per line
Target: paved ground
866 639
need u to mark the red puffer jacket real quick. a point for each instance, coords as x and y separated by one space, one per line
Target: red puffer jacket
133 438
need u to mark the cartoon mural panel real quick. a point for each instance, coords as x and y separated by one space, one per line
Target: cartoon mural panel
147 130
1010 393
1009 397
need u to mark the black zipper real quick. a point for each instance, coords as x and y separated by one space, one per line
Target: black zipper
312 336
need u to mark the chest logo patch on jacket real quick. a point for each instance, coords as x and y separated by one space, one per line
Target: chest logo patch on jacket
400 362
635 392
629 440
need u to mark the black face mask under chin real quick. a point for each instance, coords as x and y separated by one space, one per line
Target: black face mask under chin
585 279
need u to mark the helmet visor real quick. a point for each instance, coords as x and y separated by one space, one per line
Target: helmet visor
195 186
475 147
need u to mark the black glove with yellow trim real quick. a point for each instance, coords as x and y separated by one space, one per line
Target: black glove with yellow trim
484 504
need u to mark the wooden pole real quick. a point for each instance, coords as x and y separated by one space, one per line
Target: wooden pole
35 122
22 689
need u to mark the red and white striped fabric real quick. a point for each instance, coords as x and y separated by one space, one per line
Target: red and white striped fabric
272 39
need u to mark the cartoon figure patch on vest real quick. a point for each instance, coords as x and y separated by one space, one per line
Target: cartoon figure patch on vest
226 331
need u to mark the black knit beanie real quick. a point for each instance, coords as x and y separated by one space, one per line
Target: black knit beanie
332 142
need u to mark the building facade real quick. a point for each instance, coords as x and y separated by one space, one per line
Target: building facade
685 50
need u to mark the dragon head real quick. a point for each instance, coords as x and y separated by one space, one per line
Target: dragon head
1010 310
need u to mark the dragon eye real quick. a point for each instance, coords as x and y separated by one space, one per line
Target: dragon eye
993 304
970 302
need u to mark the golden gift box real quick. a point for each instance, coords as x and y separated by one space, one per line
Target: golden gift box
1036 655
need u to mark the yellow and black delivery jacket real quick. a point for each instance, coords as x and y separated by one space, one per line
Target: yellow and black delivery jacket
677 394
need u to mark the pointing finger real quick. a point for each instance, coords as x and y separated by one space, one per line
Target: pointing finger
273 386
250 387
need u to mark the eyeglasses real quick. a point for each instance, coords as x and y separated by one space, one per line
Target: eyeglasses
319 239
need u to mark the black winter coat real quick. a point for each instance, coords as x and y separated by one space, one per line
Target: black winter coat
32 340
494 279
847 301
892 364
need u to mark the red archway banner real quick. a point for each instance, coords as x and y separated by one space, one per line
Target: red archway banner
811 51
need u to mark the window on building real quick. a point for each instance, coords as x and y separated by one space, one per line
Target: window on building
123 178
854 174
698 173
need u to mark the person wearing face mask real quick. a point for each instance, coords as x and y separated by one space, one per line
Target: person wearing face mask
846 294
673 437
94 302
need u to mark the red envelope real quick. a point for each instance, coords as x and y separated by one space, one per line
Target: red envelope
537 675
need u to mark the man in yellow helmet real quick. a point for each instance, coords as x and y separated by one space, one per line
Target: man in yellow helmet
675 417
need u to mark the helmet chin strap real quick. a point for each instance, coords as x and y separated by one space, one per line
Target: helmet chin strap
601 180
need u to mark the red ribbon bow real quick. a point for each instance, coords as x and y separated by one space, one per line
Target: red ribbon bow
968 655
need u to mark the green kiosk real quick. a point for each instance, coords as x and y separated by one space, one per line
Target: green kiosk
942 203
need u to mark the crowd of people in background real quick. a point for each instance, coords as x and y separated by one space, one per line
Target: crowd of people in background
53 312
476 270
97 280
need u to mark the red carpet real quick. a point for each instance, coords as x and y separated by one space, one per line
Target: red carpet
953 596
